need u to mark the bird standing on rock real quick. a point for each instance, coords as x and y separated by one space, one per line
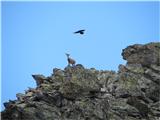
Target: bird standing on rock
70 60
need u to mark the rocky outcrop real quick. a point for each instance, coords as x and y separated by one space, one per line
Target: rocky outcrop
77 93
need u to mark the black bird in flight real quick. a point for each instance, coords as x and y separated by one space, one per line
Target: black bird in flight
80 32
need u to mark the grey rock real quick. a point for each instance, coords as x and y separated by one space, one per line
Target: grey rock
77 93
20 96
142 54
39 79
153 76
58 72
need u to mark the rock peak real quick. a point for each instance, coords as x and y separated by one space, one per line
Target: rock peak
142 54
78 93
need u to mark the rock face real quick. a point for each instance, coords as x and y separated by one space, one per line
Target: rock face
77 93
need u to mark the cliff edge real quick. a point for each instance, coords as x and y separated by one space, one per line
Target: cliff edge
77 93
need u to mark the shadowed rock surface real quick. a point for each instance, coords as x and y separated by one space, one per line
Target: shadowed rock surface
77 93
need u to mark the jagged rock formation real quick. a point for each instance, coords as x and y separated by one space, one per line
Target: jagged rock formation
76 93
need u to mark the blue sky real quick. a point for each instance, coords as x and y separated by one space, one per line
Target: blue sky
36 36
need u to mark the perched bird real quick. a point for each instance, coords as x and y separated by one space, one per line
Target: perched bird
80 32
70 60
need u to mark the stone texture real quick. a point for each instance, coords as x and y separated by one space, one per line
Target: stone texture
77 93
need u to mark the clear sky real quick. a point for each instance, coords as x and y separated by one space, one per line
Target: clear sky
36 36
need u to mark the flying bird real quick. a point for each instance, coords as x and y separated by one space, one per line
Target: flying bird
80 32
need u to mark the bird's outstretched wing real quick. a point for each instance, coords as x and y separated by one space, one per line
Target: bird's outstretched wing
80 31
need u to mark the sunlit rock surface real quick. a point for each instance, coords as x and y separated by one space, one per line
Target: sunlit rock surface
78 93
